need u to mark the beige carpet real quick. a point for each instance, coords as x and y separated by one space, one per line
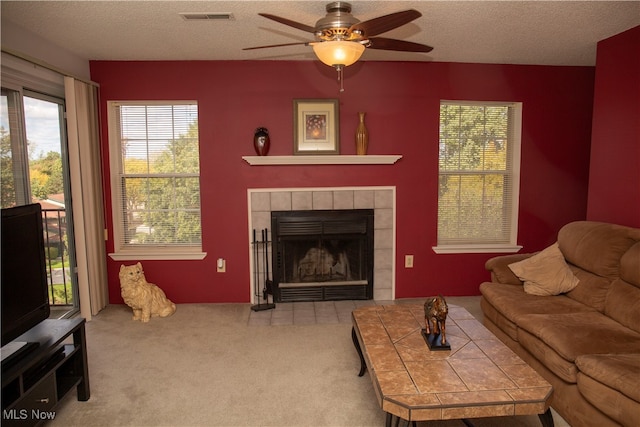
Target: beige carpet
208 365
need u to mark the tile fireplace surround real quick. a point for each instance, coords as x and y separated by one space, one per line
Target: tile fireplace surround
381 199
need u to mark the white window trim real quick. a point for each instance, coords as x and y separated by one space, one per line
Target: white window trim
132 253
512 246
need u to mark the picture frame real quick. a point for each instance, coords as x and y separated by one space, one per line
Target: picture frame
316 126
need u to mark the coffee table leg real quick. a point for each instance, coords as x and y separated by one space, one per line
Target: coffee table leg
390 418
363 365
546 419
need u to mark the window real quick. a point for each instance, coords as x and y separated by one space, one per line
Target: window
155 180
479 177
35 169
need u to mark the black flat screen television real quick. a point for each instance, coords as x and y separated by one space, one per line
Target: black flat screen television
25 298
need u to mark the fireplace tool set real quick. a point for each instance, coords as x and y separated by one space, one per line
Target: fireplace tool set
261 251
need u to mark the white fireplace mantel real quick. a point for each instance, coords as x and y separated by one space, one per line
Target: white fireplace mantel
374 159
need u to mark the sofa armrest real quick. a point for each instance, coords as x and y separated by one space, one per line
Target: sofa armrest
500 271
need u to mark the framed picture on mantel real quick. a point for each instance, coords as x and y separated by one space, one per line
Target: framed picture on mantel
316 126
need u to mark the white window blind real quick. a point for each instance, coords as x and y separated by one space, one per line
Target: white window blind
479 158
155 175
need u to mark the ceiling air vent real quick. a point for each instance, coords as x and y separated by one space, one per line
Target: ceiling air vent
206 16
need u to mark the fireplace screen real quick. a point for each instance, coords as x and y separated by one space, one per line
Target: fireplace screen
323 260
323 255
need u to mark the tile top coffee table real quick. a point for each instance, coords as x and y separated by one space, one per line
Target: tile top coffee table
478 377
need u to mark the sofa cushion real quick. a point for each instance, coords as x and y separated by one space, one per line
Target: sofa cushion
615 405
623 299
545 273
496 317
623 304
512 302
618 371
630 266
611 383
572 335
596 246
550 359
592 289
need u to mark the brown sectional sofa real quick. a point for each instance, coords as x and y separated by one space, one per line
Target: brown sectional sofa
585 342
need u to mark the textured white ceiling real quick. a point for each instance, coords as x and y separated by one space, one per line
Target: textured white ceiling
508 32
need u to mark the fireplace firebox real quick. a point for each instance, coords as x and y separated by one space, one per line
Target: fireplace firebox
322 255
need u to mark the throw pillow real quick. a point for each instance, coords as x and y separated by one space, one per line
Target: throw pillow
545 273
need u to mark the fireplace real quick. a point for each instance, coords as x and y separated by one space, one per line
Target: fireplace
322 255
262 202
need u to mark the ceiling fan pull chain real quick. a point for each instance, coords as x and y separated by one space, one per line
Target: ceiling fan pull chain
340 70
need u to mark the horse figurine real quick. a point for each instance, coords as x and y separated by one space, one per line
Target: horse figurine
435 316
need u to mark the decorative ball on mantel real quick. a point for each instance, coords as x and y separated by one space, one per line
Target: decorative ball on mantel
261 141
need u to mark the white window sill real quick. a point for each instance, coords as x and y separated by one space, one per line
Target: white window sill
476 249
138 255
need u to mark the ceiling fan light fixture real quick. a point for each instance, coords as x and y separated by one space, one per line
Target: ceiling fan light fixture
338 52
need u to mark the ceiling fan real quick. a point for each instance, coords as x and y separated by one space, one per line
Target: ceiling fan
341 38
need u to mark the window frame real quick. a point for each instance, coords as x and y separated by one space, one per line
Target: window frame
122 250
513 170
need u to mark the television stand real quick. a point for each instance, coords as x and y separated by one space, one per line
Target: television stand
14 351
33 385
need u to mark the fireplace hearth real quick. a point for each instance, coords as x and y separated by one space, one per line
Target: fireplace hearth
322 255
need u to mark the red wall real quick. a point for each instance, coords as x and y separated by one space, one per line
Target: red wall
401 101
614 179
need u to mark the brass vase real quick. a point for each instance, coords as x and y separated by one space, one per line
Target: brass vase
362 137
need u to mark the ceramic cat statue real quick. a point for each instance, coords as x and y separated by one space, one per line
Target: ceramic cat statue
146 299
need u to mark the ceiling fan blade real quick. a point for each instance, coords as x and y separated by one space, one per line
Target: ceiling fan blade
289 22
385 23
278 45
400 45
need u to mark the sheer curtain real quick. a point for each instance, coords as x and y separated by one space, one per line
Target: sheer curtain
86 191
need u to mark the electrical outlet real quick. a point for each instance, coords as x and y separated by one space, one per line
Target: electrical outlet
408 261
221 265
